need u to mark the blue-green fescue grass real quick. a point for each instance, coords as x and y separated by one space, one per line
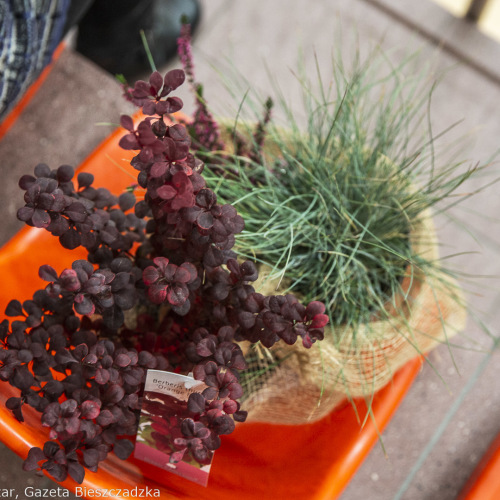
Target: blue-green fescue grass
331 205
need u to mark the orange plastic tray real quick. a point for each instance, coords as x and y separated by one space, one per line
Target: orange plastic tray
258 461
484 484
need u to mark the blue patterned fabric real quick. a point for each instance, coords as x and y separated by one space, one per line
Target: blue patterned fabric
30 30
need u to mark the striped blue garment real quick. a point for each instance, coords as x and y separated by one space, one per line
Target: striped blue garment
30 30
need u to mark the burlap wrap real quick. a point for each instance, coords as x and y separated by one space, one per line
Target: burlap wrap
298 385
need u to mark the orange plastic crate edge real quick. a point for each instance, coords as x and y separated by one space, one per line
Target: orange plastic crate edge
384 405
484 483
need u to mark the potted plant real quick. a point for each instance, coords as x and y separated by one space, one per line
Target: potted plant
256 458
164 286
339 208
159 289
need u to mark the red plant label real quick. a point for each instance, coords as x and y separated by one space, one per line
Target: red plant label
169 436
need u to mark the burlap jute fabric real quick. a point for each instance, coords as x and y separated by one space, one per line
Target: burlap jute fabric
294 385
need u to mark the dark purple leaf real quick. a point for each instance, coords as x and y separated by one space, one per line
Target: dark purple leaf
150 275
249 270
69 280
70 239
199 372
230 406
205 221
85 179
50 448
206 347
58 472
210 393
141 89
51 414
40 218
126 201
166 192
26 181
246 319
174 104
122 360
22 378
114 394
84 305
102 376
76 212
147 360
157 293
35 455
14 308
72 425
240 416
65 173
134 377
224 425
90 409
76 471
123 448
53 388
81 350
13 403
156 81
125 299
149 108
182 275
63 356
196 403
129 141
161 263
105 418
90 457
158 169
94 285
174 79
25 213
307 341
69 407
177 294
42 170
127 123
213 257
319 321
314 308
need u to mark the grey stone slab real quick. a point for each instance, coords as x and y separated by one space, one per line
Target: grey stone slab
458 36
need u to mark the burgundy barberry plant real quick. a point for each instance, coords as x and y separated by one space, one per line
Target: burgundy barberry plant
160 289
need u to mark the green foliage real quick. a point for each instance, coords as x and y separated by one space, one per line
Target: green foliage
331 202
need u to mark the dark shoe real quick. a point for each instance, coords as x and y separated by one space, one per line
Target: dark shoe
109 34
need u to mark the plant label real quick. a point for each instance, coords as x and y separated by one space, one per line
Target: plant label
160 437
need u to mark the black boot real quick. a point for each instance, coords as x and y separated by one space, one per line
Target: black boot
109 33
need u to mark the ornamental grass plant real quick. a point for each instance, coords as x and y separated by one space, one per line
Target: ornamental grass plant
330 205
338 201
